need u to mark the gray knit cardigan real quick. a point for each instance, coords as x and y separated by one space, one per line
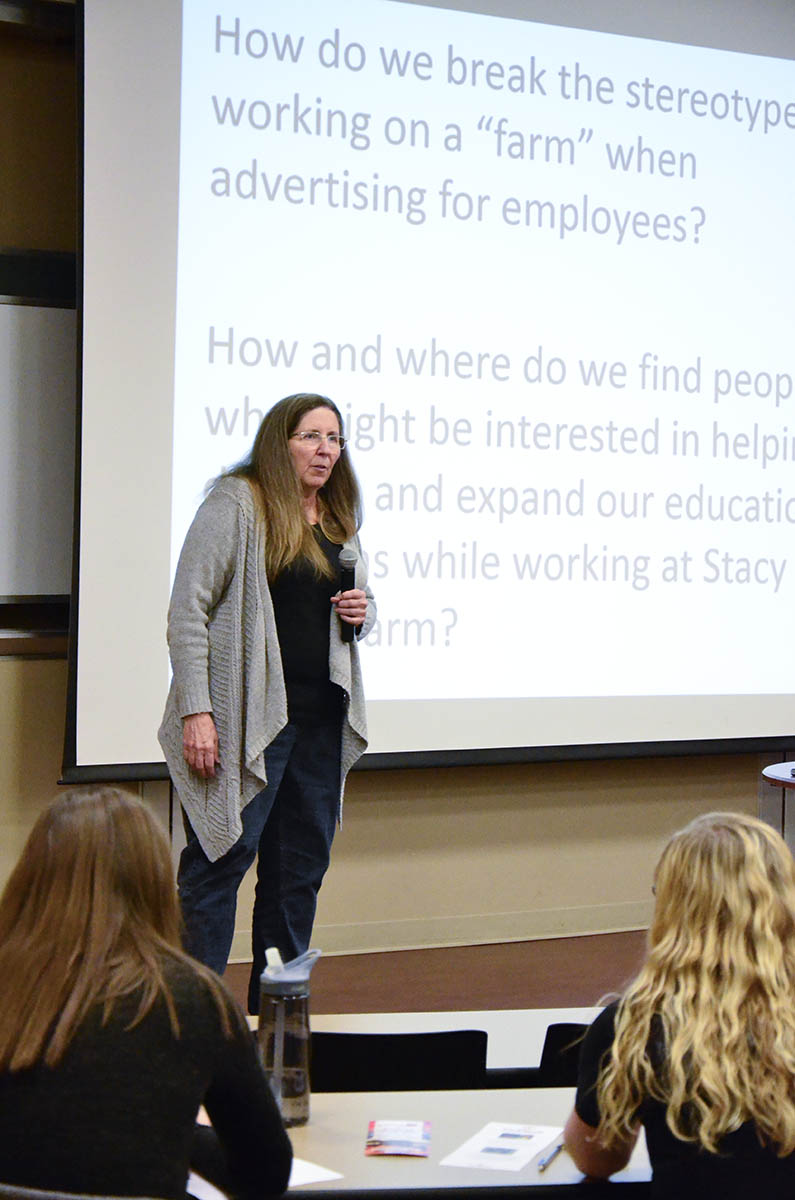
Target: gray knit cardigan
226 660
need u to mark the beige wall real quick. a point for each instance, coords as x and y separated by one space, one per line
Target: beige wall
479 854
37 144
436 857
32 703
425 857
32 717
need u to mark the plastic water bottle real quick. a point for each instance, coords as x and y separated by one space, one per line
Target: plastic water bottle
283 1031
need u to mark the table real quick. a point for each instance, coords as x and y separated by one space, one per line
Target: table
781 817
337 1129
780 774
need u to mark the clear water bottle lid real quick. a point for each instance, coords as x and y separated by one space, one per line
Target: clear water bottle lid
290 978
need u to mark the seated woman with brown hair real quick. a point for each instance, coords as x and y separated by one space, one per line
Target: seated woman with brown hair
111 1037
700 1049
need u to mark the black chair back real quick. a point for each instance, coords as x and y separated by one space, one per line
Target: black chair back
398 1062
560 1056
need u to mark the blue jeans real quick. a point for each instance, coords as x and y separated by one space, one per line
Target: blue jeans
289 827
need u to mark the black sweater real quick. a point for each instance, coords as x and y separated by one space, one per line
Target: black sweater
117 1115
683 1170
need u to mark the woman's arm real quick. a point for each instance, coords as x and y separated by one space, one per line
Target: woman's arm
595 1160
351 606
362 606
206 565
580 1135
200 743
253 1152
370 615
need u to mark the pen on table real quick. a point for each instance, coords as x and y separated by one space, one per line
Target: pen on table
544 1162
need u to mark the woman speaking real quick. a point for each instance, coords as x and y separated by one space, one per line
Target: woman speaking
265 715
700 1049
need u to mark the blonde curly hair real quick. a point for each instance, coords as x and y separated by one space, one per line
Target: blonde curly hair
716 993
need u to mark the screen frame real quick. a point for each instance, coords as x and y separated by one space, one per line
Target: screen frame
684 23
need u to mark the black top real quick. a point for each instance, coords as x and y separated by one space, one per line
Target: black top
302 609
116 1117
681 1170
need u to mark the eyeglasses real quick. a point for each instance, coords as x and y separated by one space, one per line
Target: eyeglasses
313 437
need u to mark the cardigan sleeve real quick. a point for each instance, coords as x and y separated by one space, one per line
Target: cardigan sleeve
362 582
206 565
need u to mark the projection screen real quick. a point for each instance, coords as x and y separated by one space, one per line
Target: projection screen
543 268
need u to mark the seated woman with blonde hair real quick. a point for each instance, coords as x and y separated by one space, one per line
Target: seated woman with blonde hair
700 1049
111 1037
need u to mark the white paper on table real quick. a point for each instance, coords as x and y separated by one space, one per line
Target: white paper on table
304 1172
202 1189
501 1147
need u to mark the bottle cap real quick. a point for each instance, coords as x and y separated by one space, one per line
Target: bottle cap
290 978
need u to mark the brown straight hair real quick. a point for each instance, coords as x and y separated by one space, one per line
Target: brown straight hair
90 914
270 470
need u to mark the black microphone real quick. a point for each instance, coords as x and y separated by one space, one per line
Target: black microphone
347 582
